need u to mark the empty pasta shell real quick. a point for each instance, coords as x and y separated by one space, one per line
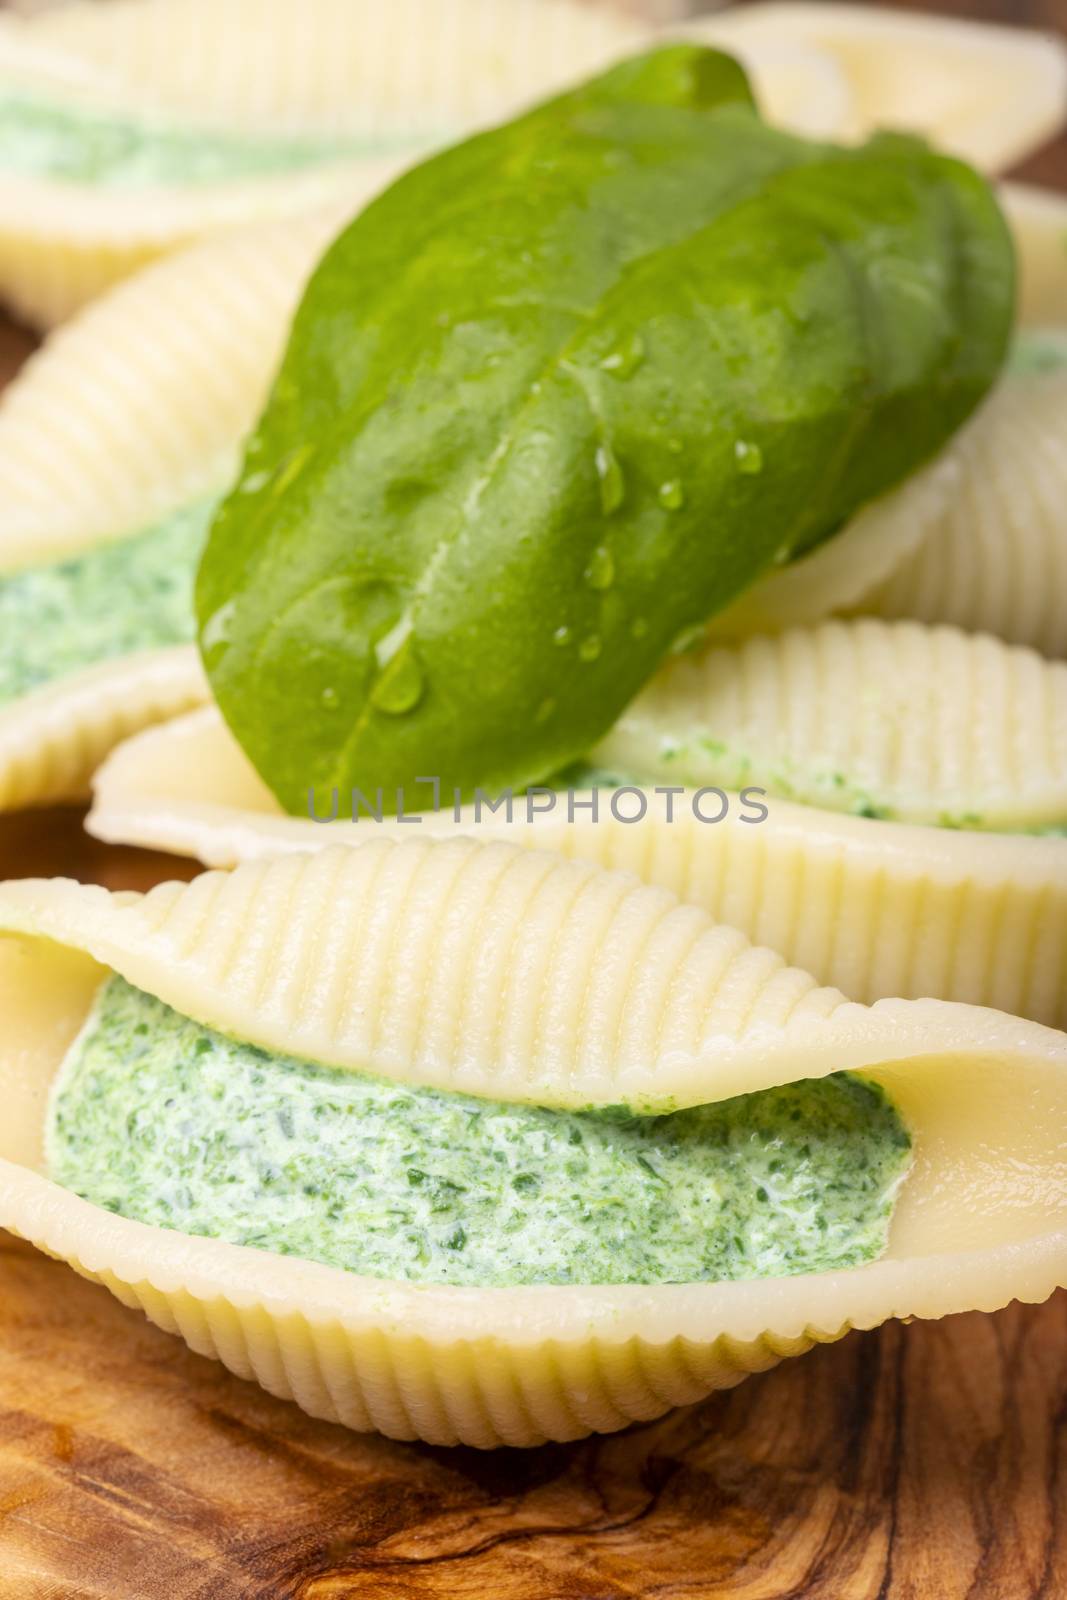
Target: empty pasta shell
365 87
53 739
518 974
893 719
874 908
988 94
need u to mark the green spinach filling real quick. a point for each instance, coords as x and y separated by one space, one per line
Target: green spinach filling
1038 350
160 1119
125 595
39 138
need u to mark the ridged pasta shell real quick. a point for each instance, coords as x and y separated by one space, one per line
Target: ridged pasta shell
332 58
131 411
916 723
979 539
425 69
140 403
996 562
874 908
839 573
989 94
53 739
517 973
339 64
1038 219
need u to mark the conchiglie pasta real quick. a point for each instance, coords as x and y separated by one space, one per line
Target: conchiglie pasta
1038 219
996 562
988 94
894 719
839 574
340 64
874 908
308 104
523 976
51 741
114 441
140 403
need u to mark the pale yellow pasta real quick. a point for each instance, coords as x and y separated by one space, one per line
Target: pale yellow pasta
989 94
874 908
403 77
139 405
519 974
341 65
133 410
53 739
996 562
62 246
918 723
1038 219
840 573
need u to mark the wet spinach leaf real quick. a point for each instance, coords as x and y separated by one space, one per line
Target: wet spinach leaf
556 397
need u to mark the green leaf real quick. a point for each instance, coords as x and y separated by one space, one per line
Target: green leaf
556 397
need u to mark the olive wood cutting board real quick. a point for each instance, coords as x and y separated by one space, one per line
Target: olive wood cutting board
919 1463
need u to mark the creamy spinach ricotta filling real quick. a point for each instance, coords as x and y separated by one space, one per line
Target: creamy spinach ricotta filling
129 594
39 138
160 1119
1037 350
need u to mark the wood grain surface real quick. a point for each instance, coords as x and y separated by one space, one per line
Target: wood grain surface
918 1463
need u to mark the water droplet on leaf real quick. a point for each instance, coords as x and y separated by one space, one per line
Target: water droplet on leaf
748 457
590 648
562 635
671 494
624 361
600 573
330 698
216 630
612 485
401 684
688 638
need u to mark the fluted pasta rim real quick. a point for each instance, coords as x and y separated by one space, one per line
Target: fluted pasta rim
267 953
53 738
73 933
487 1366
227 816
903 909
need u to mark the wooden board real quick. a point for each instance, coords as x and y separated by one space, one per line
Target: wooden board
920 1463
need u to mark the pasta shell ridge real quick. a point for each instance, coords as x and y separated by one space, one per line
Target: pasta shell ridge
989 94
517 1366
53 739
873 908
140 404
913 722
